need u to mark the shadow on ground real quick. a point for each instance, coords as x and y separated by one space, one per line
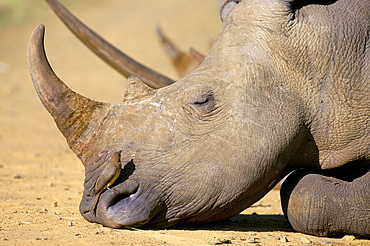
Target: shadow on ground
248 222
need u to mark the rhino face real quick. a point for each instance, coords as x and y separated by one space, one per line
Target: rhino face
167 147
181 164
199 150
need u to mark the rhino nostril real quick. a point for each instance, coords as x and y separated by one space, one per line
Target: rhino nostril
123 197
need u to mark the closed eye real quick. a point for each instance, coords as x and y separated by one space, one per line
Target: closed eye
203 101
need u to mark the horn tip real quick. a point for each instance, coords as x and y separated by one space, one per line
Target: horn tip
37 34
40 28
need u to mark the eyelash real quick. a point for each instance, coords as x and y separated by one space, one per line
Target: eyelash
198 103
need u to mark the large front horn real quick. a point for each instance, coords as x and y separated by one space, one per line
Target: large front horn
71 111
111 55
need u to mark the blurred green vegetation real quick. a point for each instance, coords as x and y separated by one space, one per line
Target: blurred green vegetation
8 10
16 12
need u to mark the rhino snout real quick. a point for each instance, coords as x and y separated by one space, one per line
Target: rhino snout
116 206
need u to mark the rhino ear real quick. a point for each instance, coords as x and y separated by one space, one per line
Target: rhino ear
135 88
262 8
226 6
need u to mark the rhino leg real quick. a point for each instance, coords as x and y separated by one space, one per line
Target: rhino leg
329 203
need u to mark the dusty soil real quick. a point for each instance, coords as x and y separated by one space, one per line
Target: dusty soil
41 179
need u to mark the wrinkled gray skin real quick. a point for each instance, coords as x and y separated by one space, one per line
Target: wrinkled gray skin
284 87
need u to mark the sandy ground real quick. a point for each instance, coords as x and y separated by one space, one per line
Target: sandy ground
41 179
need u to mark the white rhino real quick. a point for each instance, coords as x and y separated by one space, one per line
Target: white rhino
285 87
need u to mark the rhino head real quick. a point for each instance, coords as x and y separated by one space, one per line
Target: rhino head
205 147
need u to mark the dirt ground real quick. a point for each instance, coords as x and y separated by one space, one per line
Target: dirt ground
41 180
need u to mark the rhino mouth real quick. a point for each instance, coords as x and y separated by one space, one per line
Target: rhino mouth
120 206
117 207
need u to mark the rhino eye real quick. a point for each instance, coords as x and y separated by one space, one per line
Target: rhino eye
200 102
202 105
204 100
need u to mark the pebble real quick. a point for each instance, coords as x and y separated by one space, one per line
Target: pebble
348 238
283 239
42 210
55 204
17 176
39 238
329 242
225 241
220 241
70 223
306 240
251 240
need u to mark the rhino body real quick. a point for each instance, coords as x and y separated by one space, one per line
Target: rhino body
285 87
